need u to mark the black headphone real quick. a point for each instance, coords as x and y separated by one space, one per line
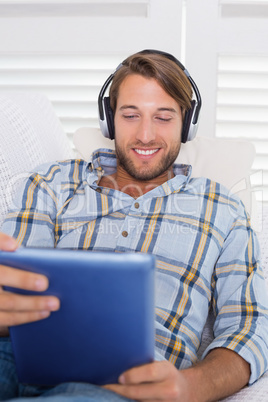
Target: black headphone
191 118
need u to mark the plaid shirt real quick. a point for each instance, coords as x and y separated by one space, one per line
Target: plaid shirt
207 254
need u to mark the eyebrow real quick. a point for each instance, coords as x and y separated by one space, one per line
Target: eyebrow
128 107
160 109
167 109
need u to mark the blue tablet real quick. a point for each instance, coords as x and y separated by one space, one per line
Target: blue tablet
105 324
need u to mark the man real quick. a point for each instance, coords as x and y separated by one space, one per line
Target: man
138 200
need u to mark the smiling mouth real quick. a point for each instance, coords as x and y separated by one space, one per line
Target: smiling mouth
146 151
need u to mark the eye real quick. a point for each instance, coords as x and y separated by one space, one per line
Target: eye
163 119
129 116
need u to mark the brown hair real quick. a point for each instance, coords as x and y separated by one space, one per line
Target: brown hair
153 65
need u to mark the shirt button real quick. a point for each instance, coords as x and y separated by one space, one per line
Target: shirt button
98 190
125 233
136 205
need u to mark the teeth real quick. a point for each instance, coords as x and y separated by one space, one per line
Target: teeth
146 152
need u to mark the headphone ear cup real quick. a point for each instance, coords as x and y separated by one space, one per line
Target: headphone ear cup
109 117
188 123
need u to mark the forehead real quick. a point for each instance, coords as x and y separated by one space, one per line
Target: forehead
139 89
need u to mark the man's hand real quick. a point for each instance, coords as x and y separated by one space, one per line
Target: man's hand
158 381
18 309
222 373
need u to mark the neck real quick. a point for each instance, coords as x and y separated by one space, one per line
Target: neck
122 181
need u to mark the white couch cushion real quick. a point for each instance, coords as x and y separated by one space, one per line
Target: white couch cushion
30 134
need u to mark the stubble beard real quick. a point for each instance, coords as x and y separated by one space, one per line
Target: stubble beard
146 173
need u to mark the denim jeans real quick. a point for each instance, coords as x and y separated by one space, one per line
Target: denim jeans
12 390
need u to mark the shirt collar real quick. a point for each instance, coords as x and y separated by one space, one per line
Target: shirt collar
103 160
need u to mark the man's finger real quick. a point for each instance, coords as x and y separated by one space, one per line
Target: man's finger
7 243
11 302
22 279
141 392
9 319
152 372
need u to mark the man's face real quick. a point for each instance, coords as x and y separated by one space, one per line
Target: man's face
148 124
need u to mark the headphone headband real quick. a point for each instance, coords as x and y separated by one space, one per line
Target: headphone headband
191 118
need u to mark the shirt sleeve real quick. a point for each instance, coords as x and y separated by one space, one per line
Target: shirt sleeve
240 299
32 215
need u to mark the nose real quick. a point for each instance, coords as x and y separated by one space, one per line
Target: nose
145 131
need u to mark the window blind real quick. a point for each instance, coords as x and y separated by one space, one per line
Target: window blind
242 109
71 82
73 8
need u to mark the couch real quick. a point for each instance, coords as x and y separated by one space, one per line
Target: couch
31 134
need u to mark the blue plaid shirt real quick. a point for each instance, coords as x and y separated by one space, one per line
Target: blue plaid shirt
207 254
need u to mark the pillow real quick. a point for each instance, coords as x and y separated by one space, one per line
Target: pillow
30 134
228 162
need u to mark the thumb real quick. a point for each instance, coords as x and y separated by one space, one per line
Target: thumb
7 243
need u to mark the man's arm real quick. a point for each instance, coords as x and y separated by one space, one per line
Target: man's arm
17 309
222 373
